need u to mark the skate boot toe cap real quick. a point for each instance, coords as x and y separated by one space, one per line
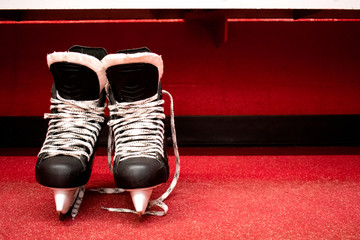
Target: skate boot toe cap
140 173
61 172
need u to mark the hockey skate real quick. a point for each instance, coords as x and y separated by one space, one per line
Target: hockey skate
140 162
77 113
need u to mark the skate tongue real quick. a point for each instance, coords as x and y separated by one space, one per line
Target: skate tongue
98 52
75 81
134 50
133 82
78 72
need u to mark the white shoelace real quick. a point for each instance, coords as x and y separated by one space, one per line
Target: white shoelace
73 131
140 132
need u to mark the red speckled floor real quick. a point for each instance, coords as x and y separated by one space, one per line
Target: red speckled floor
223 193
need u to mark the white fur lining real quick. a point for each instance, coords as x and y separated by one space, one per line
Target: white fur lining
143 57
79 58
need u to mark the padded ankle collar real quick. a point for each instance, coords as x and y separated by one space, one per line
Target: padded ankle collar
141 57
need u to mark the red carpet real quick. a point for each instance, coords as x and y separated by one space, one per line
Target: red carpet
238 193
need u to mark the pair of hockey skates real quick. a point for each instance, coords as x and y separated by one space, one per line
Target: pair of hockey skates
83 78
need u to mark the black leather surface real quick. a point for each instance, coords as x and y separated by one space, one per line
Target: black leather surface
140 172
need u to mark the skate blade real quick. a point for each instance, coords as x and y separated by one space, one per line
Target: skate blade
140 198
64 199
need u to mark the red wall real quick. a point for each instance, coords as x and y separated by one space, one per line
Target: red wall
265 68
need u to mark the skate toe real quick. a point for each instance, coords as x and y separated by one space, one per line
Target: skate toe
62 172
140 173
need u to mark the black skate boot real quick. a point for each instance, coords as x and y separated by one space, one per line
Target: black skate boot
137 124
77 113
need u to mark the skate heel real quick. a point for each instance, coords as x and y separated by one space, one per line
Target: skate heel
64 199
140 198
